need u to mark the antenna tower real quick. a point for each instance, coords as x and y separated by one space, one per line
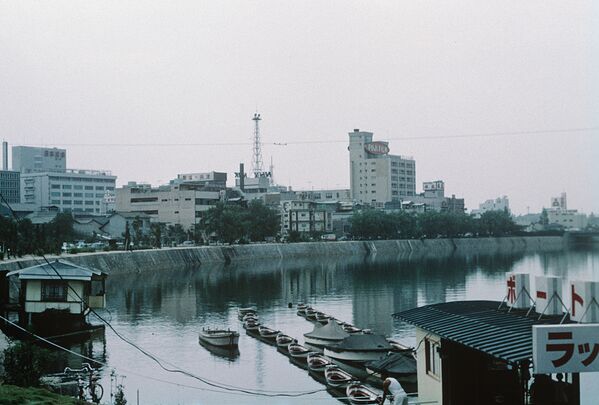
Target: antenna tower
257 162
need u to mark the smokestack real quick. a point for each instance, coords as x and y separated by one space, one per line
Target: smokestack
241 177
4 155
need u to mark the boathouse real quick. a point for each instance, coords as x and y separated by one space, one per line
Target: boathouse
478 352
59 290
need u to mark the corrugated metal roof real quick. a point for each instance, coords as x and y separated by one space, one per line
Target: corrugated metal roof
47 271
480 325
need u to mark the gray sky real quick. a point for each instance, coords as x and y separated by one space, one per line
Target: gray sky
114 72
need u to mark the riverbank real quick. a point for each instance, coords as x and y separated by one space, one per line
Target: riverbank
166 258
11 394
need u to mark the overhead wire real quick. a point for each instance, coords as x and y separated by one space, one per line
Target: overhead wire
131 372
330 141
157 360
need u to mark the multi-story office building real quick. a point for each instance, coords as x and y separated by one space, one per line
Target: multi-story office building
376 177
10 186
69 190
182 203
306 216
28 159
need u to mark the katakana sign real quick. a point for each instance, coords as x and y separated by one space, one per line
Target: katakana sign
518 290
571 348
548 295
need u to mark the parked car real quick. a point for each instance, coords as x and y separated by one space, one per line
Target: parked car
187 243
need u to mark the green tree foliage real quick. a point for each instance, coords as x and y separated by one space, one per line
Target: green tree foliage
372 224
544 219
233 223
25 363
156 230
22 237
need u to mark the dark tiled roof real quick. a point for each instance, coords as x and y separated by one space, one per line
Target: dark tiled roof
480 325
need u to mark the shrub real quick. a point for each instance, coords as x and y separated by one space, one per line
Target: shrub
24 364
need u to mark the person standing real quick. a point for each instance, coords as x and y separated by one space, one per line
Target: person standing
393 388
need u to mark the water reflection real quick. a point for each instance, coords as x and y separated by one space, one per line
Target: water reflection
164 311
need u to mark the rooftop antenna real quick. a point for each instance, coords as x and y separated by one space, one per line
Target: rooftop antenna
257 161
272 172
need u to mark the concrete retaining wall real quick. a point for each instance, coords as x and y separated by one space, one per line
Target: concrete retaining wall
138 261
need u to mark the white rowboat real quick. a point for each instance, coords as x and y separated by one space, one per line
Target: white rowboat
220 337
336 377
359 394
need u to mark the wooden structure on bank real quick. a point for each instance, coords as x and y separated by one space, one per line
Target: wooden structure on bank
59 294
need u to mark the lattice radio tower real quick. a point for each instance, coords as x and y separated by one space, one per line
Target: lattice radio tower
257 161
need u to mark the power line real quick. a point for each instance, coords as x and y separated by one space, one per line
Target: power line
332 141
158 361
114 368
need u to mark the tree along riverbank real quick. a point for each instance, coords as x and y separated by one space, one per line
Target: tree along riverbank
167 258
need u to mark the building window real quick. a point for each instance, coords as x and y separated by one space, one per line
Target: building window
66 202
433 359
78 187
54 291
78 195
55 186
66 194
89 187
66 186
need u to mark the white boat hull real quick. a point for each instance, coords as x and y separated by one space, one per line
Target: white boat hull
225 339
355 356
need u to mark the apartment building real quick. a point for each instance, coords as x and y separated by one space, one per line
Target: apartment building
377 177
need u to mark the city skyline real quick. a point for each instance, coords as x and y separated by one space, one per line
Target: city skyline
181 75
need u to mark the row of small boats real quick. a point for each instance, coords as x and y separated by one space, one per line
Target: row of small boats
336 377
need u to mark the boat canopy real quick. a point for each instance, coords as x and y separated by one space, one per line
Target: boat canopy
362 343
394 363
58 270
331 331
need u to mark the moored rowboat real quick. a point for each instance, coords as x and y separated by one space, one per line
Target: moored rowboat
317 362
298 351
284 340
359 394
251 325
267 333
336 377
220 337
241 312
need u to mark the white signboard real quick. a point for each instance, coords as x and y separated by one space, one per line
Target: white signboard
571 348
518 290
584 306
548 295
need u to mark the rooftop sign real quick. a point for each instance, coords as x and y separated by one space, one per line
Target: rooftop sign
376 148
565 348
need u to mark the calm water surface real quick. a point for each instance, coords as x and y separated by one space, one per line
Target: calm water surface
164 311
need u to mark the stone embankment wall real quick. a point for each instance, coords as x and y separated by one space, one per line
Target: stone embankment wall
143 260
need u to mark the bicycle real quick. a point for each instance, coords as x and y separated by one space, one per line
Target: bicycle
94 390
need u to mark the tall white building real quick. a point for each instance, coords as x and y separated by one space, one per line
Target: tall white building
69 190
376 177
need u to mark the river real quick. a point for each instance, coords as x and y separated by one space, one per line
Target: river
163 312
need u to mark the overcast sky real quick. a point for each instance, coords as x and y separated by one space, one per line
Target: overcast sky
177 72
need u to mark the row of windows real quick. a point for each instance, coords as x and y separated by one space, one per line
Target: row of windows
80 187
74 202
79 179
